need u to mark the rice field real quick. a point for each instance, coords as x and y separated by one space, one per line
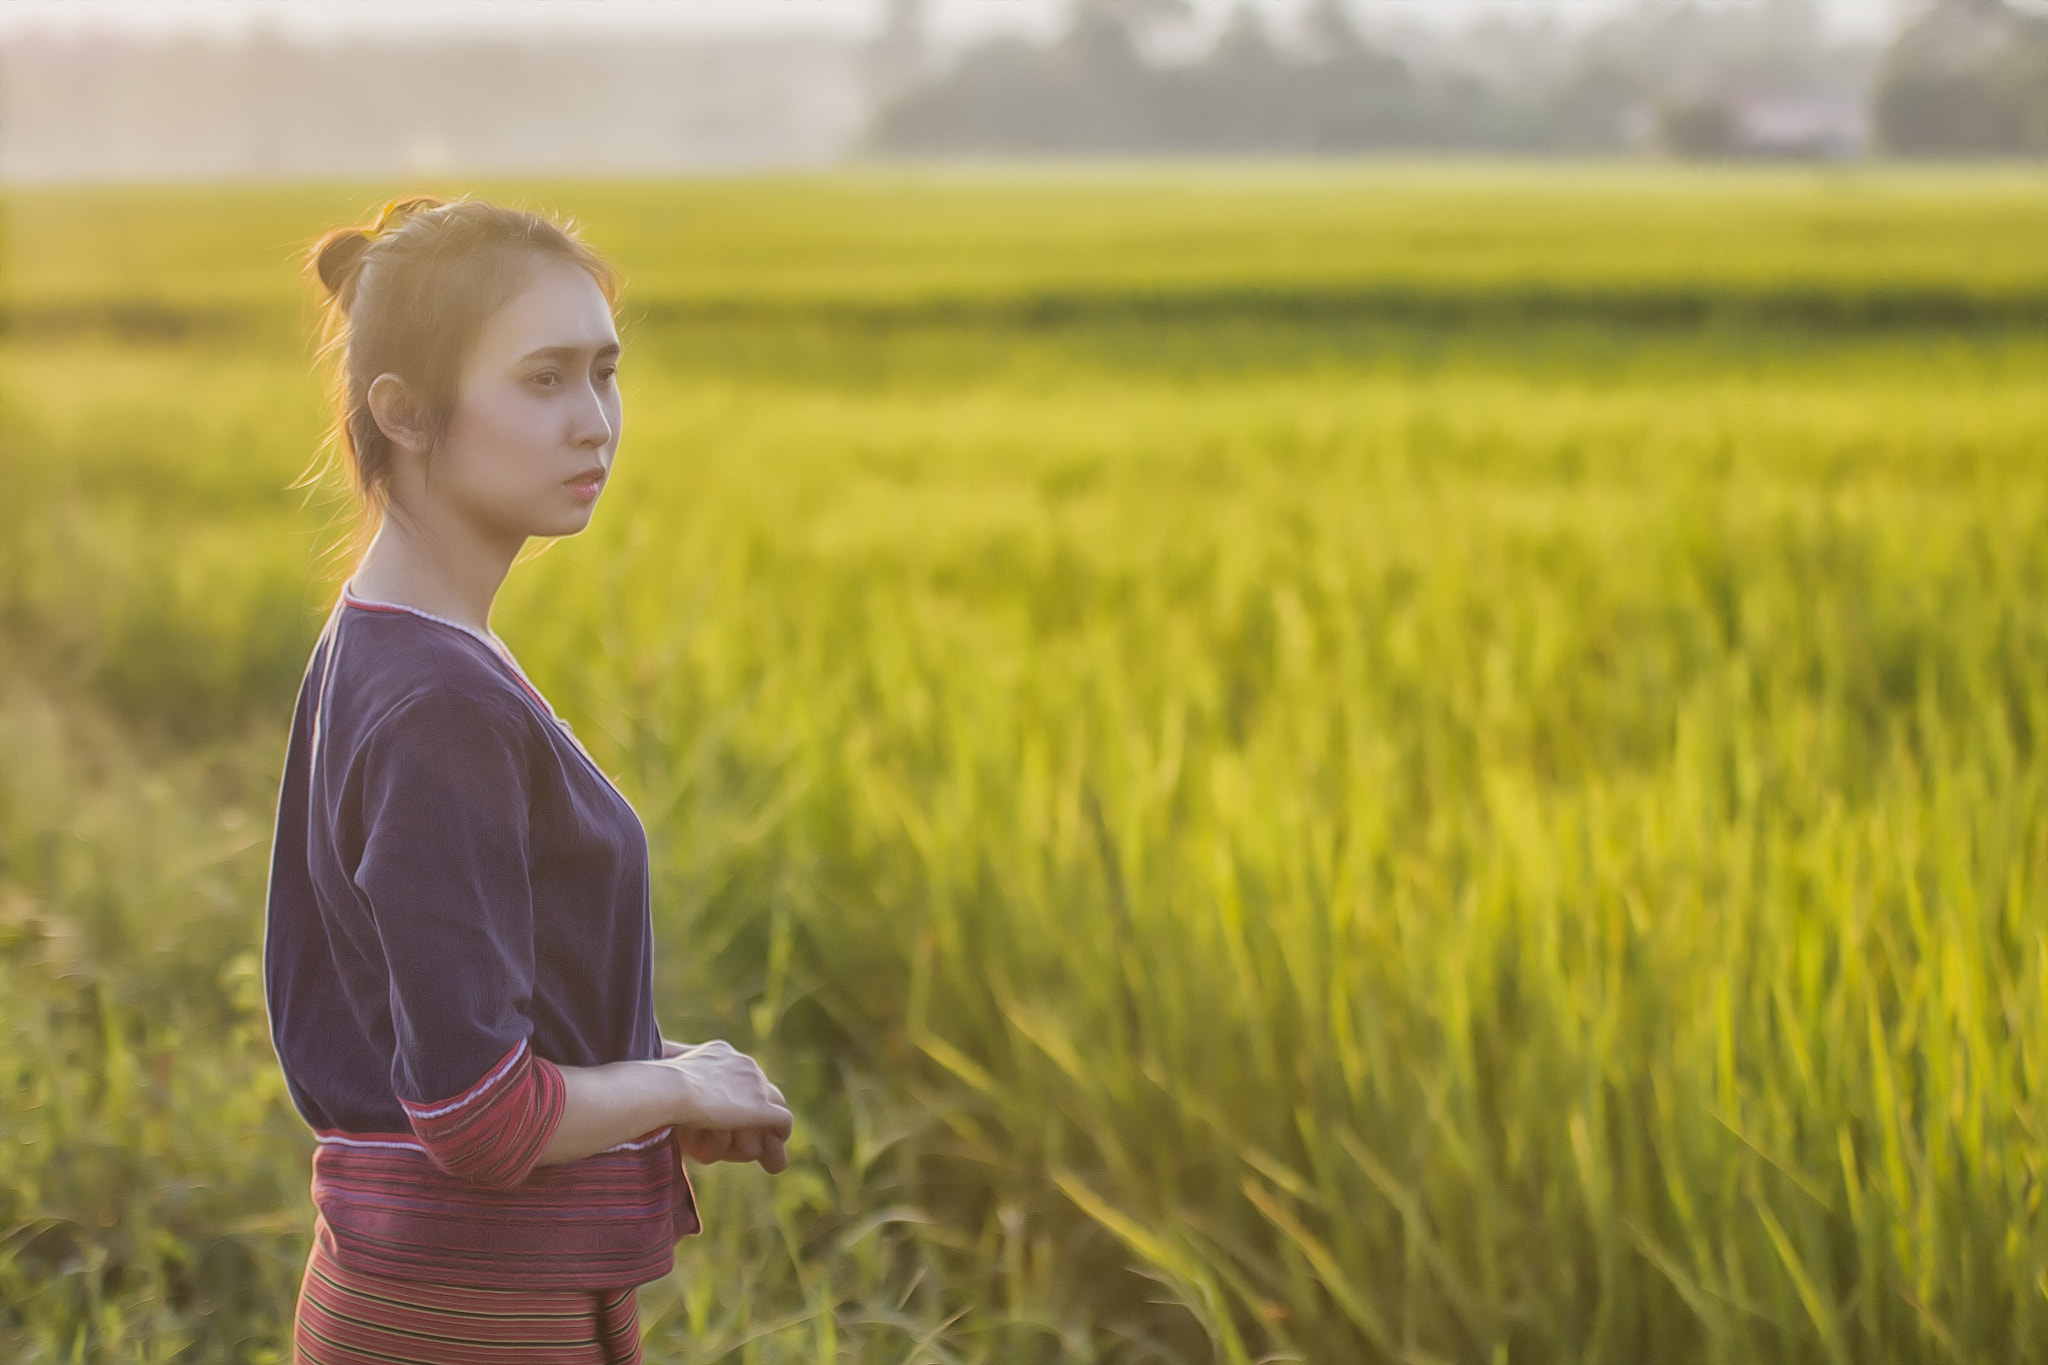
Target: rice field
1341 764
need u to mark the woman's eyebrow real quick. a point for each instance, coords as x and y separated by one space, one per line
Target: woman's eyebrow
603 352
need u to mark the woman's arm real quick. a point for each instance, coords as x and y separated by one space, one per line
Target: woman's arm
714 1094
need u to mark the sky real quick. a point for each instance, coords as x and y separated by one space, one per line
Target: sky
953 22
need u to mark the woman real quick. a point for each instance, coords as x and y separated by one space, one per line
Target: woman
459 952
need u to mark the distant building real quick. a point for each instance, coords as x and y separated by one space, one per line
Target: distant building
85 109
1819 127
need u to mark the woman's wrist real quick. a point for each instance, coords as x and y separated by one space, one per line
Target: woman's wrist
687 1099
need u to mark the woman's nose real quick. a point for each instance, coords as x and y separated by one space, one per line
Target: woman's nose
592 426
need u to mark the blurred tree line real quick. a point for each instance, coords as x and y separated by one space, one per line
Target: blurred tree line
1970 77
1963 77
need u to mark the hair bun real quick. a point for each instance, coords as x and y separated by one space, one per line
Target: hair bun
338 259
398 211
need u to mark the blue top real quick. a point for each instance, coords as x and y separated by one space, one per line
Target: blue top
452 876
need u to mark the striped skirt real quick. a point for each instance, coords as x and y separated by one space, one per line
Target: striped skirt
346 1317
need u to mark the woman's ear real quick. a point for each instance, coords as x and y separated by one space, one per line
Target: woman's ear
398 415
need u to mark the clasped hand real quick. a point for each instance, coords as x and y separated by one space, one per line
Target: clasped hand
734 1113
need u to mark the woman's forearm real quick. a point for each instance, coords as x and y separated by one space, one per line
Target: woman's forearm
607 1105
702 1086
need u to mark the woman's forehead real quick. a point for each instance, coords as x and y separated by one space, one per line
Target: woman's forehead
559 307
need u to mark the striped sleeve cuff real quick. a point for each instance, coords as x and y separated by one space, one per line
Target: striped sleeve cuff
493 1133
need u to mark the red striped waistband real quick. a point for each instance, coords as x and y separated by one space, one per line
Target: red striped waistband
605 1222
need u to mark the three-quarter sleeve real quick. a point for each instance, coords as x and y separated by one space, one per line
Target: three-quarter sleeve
445 793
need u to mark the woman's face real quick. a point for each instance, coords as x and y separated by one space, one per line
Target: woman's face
535 425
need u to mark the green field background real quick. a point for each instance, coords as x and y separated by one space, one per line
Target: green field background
1352 765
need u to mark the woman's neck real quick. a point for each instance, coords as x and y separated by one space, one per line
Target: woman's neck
445 569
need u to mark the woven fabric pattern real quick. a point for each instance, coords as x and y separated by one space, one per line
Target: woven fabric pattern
353 1317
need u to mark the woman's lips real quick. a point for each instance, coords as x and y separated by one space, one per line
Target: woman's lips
586 484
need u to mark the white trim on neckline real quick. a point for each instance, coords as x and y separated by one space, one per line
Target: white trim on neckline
488 637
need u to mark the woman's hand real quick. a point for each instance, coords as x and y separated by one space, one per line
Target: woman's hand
706 1145
731 1111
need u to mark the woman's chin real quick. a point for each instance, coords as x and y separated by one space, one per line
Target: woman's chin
560 523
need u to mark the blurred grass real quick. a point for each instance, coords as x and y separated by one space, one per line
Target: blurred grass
1846 245
1358 836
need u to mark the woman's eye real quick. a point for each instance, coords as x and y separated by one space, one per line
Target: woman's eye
605 373
547 379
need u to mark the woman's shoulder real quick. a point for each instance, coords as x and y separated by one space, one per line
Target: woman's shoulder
400 672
